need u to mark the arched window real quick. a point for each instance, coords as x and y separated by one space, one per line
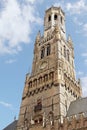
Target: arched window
42 52
68 58
48 49
38 119
40 80
64 51
45 77
35 82
30 84
49 18
51 75
55 17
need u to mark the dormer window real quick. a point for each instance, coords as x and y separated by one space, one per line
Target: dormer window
55 17
49 18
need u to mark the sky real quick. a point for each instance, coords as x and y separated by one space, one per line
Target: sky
20 21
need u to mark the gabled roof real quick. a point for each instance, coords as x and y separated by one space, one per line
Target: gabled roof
77 107
11 126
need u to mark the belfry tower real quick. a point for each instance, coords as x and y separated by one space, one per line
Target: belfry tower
52 85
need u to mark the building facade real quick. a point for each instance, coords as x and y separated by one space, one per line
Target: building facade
51 88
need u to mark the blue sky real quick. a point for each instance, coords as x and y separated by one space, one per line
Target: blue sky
20 21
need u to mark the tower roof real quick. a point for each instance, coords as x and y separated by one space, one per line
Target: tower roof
55 8
77 107
11 126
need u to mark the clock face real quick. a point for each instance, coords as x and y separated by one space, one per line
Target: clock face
43 65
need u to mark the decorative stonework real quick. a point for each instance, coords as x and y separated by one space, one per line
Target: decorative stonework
51 86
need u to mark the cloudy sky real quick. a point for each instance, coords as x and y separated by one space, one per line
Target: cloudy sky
20 21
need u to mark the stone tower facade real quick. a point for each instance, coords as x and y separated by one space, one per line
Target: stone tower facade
52 85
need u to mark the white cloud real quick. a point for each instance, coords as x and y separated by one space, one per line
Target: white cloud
33 1
74 8
5 104
16 22
84 85
77 7
10 61
77 10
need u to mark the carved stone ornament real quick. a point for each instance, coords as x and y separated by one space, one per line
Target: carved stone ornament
43 65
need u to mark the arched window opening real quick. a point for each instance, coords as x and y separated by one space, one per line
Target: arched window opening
45 77
38 119
49 18
35 82
68 55
40 80
42 53
55 17
51 75
64 51
30 84
48 50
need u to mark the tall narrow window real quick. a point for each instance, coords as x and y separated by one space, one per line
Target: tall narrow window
68 58
42 52
30 84
64 51
35 82
49 18
51 75
55 17
48 49
45 77
40 80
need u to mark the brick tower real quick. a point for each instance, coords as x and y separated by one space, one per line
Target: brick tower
52 85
